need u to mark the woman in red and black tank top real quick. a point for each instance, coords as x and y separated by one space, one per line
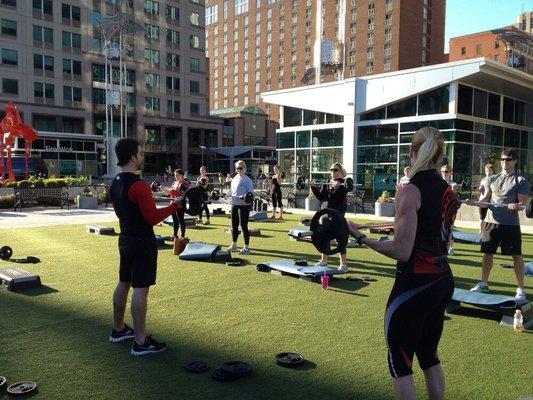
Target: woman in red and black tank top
425 212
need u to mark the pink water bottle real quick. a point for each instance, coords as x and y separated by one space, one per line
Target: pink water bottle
324 281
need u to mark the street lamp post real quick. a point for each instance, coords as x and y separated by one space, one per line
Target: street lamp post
202 148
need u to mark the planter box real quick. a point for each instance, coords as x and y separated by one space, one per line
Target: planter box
312 204
384 209
87 203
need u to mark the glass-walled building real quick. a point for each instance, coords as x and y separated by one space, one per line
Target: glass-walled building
367 123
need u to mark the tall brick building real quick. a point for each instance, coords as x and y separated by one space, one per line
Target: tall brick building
256 46
509 46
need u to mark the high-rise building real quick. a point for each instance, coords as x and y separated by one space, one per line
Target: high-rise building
256 46
524 22
52 66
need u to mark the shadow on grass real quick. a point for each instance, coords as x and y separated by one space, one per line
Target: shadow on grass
82 342
39 291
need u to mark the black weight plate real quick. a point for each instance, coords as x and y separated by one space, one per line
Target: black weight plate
326 225
236 368
196 367
289 360
220 376
2 382
235 262
300 263
6 252
22 388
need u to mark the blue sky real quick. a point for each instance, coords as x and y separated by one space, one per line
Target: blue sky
469 16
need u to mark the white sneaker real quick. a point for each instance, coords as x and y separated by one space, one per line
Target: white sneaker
520 293
343 268
451 251
321 264
245 250
481 287
233 248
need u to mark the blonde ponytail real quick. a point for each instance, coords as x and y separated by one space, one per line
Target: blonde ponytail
429 147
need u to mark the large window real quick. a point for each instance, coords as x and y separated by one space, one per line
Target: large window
211 14
404 108
377 134
152 56
172 13
285 140
173 136
322 159
173 37
303 139
464 104
292 116
434 102
152 135
151 31
45 63
173 83
43 90
43 6
194 64
194 108
194 86
377 154
72 67
10 86
9 57
493 111
8 27
70 39
70 12
241 6
152 104
71 93
327 137
480 103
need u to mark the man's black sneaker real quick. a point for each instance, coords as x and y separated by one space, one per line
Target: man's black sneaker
119 336
150 346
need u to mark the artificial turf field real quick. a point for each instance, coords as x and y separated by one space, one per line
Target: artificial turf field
57 336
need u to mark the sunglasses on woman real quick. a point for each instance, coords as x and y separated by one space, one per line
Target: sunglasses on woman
334 170
239 168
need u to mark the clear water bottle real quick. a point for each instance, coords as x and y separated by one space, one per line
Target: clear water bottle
518 323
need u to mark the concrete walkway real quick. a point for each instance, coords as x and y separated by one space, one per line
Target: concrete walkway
35 217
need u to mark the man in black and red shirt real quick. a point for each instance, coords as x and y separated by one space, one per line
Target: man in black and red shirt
425 211
135 208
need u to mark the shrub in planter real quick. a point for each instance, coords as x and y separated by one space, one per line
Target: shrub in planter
38 183
6 201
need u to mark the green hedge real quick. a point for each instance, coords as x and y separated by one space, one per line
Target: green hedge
49 182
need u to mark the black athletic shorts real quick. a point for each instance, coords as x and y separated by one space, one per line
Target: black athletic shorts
508 237
138 260
414 320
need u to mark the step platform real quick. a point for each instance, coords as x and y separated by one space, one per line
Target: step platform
288 267
190 222
253 231
162 239
466 237
100 230
495 302
258 216
300 233
17 280
199 251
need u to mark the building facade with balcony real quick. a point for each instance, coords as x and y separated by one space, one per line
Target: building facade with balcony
52 67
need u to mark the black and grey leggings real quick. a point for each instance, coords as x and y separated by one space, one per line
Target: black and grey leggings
204 206
178 219
276 198
240 214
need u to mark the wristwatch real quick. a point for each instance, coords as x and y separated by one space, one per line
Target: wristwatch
359 239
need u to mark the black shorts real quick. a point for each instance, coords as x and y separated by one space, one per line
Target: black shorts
508 237
414 321
138 260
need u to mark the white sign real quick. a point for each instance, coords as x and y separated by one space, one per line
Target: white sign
59 149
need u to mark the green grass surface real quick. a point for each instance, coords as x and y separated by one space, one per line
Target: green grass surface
57 336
